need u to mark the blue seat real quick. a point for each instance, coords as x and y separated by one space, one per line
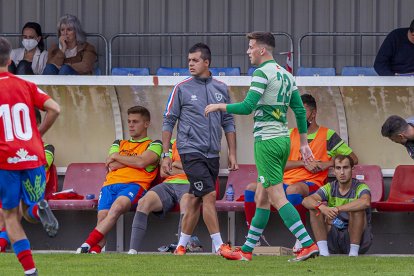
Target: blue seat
316 71
97 71
358 71
125 71
250 71
172 71
225 71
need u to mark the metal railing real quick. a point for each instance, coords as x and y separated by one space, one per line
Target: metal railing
170 36
360 36
47 35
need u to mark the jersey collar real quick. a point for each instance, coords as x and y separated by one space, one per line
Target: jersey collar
140 140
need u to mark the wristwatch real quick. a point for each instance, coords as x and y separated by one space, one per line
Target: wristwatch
165 154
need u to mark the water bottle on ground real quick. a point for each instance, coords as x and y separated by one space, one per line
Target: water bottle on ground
230 193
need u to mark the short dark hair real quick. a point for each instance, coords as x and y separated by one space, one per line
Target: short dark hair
263 38
38 116
341 158
140 110
309 100
36 27
393 125
5 50
204 49
412 26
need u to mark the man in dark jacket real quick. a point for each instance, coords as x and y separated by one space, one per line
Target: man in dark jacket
198 142
396 55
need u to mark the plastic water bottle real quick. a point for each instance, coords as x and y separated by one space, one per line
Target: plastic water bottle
230 193
338 223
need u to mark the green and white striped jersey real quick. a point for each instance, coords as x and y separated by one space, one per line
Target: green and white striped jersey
276 86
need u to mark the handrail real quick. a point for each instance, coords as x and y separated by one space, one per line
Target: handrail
46 35
170 35
335 34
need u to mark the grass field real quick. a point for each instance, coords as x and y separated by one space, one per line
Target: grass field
121 264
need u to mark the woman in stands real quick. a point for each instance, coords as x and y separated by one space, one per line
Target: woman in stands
73 55
31 58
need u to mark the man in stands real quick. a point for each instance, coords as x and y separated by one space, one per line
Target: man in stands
161 199
22 155
396 54
199 142
300 179
340 212
401 131
30 212
132 166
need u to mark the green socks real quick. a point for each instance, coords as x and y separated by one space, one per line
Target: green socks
292 221
259 222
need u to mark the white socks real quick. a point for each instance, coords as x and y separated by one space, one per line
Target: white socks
353 251
323 248
217 241
184 239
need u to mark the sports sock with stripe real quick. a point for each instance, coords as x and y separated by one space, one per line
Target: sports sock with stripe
256 228
24 254
292 221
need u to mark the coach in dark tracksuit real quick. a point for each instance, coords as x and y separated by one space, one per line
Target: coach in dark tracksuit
198 142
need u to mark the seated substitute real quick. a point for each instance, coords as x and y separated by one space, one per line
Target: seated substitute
343 225
300 179
401 131
132 166
161 199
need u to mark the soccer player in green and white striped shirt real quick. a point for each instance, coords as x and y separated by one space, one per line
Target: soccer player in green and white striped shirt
272 92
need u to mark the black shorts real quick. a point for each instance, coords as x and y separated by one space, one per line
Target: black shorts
339 242
201 172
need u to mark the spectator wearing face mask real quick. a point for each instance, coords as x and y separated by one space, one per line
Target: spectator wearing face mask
32 57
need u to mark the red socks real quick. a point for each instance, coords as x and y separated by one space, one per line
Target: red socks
94 237
249 210
26 259
96 249
302 212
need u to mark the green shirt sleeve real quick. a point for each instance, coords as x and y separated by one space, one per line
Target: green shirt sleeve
256 90
335 145
115 147
246 106
300 112
50 155
156 147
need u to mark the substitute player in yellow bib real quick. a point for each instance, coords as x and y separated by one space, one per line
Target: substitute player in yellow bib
272 92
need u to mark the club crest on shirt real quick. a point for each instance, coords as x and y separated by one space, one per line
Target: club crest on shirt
198 185
262 179
219 97
193 98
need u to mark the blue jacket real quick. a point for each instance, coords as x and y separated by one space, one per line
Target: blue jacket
195 132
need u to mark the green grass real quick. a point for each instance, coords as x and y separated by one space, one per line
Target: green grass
122 264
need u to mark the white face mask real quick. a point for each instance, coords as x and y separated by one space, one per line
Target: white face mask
29 44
